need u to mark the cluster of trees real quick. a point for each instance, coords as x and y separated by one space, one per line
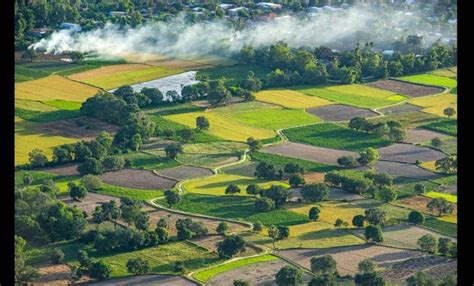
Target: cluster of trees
188 229
315 66
366 157
378 185
267 171
391 129
442 246
230 246
447 165
273 197
420 278
376 219
278 233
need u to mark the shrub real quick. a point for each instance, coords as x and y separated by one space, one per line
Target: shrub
323 265
428 243
315 192
374 233
264 205
416 217
347 161
91 182
358 221
57 256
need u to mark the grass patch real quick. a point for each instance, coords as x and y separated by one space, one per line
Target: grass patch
444 125
222 126
64 104
26 74
233 74
77 69
174 108
207 274
405 187
216 185
450 198
33 105
436 104
451 72
38 177
443 227
113 76
46 116
236 207
142 160
353 94
281 161
330 211
52 88
165 124
334 136
121 192
290 98
431 79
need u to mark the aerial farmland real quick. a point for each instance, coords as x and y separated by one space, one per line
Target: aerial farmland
149 157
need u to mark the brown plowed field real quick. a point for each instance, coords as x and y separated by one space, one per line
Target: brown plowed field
65 170
185 172
137 179
404 170
400 108
340 112
419 203
91 201
89 130
420 135
404 88
148 280
407 153
308 152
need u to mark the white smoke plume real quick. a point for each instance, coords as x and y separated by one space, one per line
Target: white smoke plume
339 30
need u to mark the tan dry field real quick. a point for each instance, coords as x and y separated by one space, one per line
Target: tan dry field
405 88
419 203
308 152
137 179
107 71
178 63
340 112
91 201
315 177
185 172
65 170
420 135
398 264
171 218
148 280
262 273
52 88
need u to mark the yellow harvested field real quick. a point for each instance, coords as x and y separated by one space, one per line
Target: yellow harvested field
290 98
330 211
26 140
217 184
54 87
436 104
449 218
429 165
109 77
449 72
222 126
33 105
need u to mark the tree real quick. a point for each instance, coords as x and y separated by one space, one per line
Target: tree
91 182
230 246
387 194
381 129
49 187
339 222
448 165
264 205
173 150
222 227
441 205
289 276
420 189
254 144
186 134
98 216
257 227
30 54
419 279
247 54
314 192
218 93
374 233
141 221
397 134
369 279
23 272
367 266
296 180
136 142
358 221
77 193
112 211
57 256
162 234
292 169
367 156
347 161
253 189
436 142
90 166
324 280
277 194
375 216
314 213
283 232
27 179
449 111
83 258
179 267
113 163
416 217
138 266
273 233
241 283
184 233
172 197
265 171
100 270
380 179
154 95
358 123
323 265
37 158
232 189
251 83
428 243
444 245
202 123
